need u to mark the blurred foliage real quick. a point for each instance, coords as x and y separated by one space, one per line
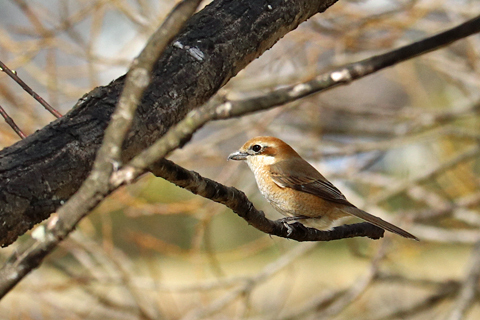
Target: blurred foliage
402 144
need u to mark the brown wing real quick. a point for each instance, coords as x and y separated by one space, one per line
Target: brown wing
300 175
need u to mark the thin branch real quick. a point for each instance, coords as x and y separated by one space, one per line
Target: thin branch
317 303
12 74
437 234
469 287
12 123
328 305
346 74
358 288
428 175
445 291
251 283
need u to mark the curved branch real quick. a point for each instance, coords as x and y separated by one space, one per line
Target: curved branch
239 203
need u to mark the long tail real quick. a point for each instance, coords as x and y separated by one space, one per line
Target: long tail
378 222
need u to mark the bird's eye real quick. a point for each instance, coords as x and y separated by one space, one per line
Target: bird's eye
256 147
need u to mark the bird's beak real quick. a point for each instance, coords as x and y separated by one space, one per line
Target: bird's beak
238 156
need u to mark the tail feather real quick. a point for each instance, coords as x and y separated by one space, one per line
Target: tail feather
379 222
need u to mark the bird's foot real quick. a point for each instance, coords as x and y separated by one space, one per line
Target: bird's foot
289 229
287 220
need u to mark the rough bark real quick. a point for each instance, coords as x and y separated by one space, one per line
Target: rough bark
40 172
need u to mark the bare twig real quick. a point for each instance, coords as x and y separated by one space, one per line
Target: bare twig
115 263
445 291
346 74
328 305
436 234
469 287
395 190
356 290
317 303
12 123
29 90
270 270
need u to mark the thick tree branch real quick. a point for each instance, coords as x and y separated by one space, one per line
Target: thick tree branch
42 171
96 186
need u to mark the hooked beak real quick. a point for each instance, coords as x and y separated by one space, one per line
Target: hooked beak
238 156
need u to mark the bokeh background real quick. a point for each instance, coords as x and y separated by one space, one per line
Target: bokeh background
401 144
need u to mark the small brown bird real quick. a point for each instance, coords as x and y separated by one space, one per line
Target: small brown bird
297 190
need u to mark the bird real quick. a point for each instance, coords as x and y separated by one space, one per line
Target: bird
297 190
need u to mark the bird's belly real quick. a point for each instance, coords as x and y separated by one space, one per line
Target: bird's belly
322 214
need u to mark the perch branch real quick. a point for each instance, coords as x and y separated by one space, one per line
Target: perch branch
239 203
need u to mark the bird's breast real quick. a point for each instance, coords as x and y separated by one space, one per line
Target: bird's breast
290 202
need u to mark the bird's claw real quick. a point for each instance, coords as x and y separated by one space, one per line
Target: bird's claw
288 227
286 222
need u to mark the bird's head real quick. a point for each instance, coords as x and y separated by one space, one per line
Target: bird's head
262 151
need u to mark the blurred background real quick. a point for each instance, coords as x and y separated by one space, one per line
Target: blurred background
401 144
